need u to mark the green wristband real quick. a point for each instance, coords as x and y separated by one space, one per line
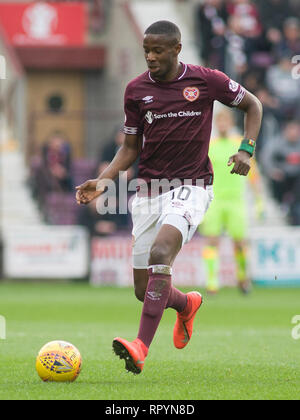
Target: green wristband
248 145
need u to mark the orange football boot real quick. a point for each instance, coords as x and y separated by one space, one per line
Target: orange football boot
183 328
133 352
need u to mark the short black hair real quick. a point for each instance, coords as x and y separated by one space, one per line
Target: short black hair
164 27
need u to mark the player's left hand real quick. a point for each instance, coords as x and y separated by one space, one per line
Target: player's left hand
241 162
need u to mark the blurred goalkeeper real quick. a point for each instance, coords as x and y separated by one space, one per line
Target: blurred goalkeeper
228 212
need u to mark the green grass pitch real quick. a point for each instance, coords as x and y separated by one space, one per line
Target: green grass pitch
242 347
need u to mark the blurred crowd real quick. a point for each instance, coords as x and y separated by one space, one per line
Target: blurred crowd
54 175
257 43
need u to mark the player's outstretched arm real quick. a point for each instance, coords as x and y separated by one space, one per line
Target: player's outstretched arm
123 160
253 110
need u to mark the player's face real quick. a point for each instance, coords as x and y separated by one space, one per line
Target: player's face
161 56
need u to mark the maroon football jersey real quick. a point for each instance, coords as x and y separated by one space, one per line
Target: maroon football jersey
175 119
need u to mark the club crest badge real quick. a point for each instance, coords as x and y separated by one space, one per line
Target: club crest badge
191 93
233 86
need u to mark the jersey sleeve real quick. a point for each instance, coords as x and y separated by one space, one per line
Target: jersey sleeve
132 124
223 89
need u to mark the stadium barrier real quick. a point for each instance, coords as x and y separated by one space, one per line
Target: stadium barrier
111 263
66 252
274 258
46 252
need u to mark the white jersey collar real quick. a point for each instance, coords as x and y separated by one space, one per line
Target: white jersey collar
178 78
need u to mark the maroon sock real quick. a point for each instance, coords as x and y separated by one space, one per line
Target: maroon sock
156 298
177 300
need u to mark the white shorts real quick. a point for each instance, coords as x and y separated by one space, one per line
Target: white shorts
183 208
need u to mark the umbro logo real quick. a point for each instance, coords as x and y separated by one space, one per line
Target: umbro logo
148 99
154 295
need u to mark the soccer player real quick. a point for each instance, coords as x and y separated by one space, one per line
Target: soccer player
228 212
168 121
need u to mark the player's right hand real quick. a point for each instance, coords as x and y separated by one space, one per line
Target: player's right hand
88 191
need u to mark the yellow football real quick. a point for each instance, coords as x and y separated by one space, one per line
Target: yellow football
58 361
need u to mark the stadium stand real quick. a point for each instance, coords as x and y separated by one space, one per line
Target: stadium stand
259 50
236 36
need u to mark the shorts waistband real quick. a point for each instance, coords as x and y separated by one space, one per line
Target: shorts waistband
145 190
